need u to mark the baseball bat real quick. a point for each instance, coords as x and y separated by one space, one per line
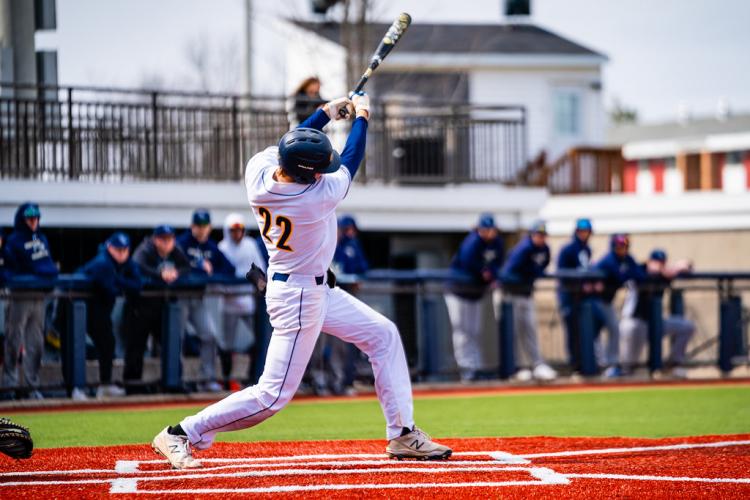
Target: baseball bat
391 38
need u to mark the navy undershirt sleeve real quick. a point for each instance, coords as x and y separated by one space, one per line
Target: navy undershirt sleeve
317 120
354 151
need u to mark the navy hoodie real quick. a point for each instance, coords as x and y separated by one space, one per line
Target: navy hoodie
576 255
150 263
2 261
26 252
111 279
617 271
198 252
474 257
525 264
350 257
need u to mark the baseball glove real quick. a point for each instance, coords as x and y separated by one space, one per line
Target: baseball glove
15 440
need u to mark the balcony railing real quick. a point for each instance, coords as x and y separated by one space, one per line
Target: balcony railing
112 135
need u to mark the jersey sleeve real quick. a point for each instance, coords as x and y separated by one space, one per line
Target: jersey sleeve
337 184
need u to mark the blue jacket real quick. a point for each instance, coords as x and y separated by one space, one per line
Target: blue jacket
574 255
350 257
198 252
474 257
525 264
617 271
111 279
27 252
2 266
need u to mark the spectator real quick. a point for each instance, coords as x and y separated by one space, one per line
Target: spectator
242 251
162 263
618 267
206 260
527 262
636 312
112 273
26 255
307 98
479 258
575 256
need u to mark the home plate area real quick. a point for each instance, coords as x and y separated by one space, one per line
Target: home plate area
707 466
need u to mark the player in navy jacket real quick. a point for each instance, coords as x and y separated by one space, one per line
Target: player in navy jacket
527 262
575 256
349 257
2 259
26 254
112 273
618 267
479 258
205 260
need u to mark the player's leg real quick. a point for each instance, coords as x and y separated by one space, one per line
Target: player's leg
612 348
16 326
34 345
226 343
529 340
464 317
681 330
633 336
296 316
201 319
353 321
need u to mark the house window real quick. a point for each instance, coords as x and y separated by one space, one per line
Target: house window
567 107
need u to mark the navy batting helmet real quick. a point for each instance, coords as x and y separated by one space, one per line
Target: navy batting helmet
304 152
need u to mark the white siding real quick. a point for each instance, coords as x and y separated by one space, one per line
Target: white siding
534 89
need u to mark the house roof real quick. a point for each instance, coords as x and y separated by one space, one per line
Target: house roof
522 39
697 127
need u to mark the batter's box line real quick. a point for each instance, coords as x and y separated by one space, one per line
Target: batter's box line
543 476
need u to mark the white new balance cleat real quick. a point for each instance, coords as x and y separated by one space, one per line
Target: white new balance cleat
176 449
418 445
544 372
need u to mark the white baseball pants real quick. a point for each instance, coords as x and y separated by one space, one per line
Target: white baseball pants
299 309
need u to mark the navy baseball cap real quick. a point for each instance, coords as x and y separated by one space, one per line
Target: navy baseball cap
658 254
486 221
347 220
119 240
31 211
201 217
164 230
584 225
538 226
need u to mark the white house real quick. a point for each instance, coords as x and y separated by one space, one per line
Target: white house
556 80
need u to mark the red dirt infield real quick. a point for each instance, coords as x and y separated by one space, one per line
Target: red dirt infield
539 467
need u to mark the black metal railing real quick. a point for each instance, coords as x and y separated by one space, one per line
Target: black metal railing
109 135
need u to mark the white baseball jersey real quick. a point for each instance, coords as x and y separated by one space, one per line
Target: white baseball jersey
297 222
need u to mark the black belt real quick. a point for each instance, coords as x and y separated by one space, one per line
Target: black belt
319 280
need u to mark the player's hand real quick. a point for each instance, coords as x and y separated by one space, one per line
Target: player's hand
339 108
169 274
361 103
208 267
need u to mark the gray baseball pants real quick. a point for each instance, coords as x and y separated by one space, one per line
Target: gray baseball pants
634 336
24 329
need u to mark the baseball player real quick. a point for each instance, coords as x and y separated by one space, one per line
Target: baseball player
294 190
636 313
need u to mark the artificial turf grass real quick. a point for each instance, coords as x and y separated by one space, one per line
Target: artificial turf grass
648 412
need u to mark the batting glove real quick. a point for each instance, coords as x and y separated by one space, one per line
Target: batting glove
361 102
339 108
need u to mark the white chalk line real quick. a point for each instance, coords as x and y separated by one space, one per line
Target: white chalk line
637 449
660 478
282 472
126 470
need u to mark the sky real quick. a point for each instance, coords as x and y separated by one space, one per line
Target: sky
663 55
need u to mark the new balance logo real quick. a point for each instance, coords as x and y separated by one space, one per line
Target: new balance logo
416 444
173 448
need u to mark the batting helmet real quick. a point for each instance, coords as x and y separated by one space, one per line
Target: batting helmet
304 152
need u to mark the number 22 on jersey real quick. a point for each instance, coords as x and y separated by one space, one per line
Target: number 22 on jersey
284 223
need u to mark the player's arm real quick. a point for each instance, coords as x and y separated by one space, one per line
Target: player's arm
354 151
323 115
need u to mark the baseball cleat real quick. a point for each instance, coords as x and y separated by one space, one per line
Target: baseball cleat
417 445
176 449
